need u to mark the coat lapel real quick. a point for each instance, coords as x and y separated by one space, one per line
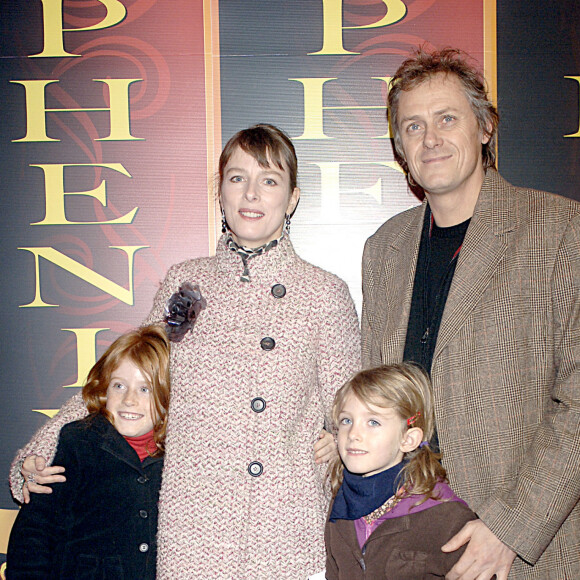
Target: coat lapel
391 526
112 442
347 533
483 249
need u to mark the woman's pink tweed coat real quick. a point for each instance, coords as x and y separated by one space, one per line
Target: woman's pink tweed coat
216 519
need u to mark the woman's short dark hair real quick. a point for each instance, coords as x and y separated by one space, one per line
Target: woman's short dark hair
264 143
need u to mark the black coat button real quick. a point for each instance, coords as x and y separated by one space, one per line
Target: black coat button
278 290
255 469
258 404
267 343
143 514
143 547
142 479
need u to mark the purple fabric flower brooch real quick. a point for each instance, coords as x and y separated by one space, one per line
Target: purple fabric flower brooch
182 310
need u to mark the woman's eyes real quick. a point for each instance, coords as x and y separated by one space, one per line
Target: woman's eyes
267 181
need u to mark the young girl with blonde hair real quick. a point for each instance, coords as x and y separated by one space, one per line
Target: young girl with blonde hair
392 508
102 522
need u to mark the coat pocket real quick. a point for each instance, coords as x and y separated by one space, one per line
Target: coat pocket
406 565
91 567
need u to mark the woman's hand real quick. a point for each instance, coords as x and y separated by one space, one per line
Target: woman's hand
37 476
325 448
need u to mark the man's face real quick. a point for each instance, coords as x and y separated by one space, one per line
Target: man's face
441 138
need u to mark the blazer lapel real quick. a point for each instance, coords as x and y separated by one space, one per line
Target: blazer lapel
399 265
483 248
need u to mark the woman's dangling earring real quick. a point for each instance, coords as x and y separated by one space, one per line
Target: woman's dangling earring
411 180
224 222
287 224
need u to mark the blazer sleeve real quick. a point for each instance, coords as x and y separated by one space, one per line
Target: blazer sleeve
338 341
41 523
44 441
547 488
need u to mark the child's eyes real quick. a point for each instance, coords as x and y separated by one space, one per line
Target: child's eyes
269 181
145 389
374 423
345 421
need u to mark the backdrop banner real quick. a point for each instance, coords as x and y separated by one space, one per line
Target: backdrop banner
114 113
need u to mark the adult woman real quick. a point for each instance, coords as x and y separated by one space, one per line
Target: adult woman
252 383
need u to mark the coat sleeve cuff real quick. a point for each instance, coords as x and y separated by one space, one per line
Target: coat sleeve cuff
513 527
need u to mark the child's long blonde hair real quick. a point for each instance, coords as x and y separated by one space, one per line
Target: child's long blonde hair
406 389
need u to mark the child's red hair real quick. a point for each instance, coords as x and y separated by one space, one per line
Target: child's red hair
148 349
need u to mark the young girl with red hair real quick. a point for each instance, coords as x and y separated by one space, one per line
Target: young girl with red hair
102 522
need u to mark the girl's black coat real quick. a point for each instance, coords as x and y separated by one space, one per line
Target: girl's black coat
101 523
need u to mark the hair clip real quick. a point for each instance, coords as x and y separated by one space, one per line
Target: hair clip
411 420
423 444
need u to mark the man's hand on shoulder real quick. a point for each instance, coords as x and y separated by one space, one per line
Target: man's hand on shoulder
484 556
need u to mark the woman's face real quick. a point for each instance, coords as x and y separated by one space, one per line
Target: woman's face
255 199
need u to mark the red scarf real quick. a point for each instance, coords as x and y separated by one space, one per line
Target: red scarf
144 445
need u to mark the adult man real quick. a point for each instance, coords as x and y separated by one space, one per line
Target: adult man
480 285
